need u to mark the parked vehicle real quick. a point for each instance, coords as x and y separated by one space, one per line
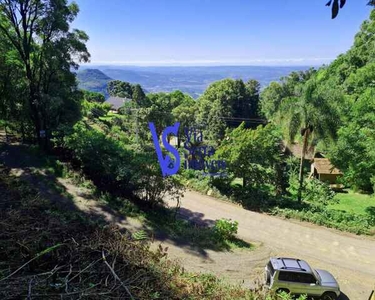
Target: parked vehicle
295 276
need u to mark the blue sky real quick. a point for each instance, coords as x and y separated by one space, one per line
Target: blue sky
217 32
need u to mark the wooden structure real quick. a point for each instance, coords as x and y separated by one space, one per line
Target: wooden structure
322 169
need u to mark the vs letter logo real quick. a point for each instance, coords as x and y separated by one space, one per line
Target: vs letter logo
168 165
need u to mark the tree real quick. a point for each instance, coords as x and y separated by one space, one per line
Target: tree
312 116
253 155
93 96
138 95
158 111
122 89
38 31
12 89
225 103
184 113
272 96
253 91
354 151
339 4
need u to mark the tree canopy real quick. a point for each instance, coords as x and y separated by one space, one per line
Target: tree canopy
38 40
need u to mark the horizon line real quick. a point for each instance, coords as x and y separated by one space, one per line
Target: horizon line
211 63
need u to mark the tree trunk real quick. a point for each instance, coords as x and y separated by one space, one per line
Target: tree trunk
179 140
6 132
303 153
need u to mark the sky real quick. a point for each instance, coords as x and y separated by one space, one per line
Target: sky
217 32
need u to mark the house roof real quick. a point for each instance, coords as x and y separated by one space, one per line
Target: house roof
117 102
296 149
324 166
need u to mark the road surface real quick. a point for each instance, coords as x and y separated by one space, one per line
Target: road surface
350 258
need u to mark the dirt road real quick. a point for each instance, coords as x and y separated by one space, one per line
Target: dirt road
350 258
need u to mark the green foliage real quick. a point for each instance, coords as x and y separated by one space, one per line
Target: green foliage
140 235
39 42
123 89
93 80
94 109
226 103
93 96
117 166
333 108
252 154
314 192
138 95
341 220
354 151
225 229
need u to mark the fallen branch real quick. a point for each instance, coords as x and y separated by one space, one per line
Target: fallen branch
37 256
116 277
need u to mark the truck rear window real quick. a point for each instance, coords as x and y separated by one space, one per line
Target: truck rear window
270 268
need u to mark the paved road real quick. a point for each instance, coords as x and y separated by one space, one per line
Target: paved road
350 258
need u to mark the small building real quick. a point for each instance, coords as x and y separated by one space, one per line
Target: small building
322 169
116 102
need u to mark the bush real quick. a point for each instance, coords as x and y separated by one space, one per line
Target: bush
225 229
341 220
318 192
118 168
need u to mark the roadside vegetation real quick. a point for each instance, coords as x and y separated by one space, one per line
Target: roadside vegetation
50 251
78 257
330 110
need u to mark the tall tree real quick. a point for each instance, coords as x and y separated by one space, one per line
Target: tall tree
118 88
311 115
39 32
224 103
139 95
252 155
253 91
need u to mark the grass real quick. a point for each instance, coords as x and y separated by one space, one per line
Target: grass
354 203
162 221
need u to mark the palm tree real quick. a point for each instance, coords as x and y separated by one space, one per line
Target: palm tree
311 114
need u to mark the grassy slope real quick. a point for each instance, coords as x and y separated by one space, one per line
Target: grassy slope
354 202
48 251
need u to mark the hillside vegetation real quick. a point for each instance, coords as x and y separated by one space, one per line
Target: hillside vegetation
93 80
48 251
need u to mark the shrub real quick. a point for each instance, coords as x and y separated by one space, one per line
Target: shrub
116 167
318 192
341 220
225 229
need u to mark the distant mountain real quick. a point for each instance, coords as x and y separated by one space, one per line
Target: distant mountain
93 80
192 80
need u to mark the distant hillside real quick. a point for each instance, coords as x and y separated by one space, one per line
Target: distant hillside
93 80
191 80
